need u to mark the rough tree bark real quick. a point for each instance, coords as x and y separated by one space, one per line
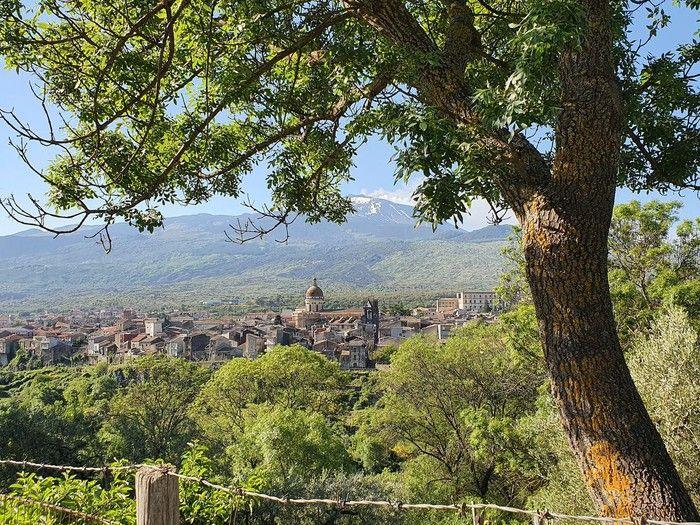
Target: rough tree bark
565 213
625 463
565 230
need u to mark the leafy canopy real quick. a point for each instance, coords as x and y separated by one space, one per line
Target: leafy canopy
450 413
175 101
654 260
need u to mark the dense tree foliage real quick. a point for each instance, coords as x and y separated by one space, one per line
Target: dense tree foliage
292 378
666 366
149 417
654 260
450 415
114 503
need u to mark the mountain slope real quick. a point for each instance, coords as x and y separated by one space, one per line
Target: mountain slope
379 250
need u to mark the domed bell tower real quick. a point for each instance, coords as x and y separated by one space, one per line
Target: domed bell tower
314 298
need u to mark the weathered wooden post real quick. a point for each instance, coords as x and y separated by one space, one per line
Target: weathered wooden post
156 497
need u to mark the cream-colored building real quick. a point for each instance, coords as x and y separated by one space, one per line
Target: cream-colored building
313 300
313 306
313 313
478 301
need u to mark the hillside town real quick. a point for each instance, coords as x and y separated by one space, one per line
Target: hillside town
352 337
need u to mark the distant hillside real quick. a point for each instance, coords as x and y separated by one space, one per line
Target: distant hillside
379 250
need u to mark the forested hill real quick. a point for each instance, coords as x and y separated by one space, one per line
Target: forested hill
378 250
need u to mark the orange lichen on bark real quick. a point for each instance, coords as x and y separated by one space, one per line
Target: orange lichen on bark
605 472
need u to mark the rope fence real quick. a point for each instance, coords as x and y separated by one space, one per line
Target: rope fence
67 468
538 516
462 508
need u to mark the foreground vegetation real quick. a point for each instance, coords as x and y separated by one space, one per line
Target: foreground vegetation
468 420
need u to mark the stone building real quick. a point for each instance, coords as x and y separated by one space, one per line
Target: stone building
353 355
153 326
313 306
447 304
9 344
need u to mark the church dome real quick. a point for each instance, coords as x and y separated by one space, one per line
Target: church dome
314 291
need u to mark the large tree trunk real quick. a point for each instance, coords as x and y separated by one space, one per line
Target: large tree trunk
624 461
565 228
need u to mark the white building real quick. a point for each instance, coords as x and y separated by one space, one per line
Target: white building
479 301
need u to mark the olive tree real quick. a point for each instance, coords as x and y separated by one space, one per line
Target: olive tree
666 365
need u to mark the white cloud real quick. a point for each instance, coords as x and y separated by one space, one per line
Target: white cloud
399 194
480 213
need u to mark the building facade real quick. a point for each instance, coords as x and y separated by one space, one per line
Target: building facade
479 301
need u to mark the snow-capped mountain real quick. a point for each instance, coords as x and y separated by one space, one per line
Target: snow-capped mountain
383 218
382 209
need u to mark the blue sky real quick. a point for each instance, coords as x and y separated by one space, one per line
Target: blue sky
373 173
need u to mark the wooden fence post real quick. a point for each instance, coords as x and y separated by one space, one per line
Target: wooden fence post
156 497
